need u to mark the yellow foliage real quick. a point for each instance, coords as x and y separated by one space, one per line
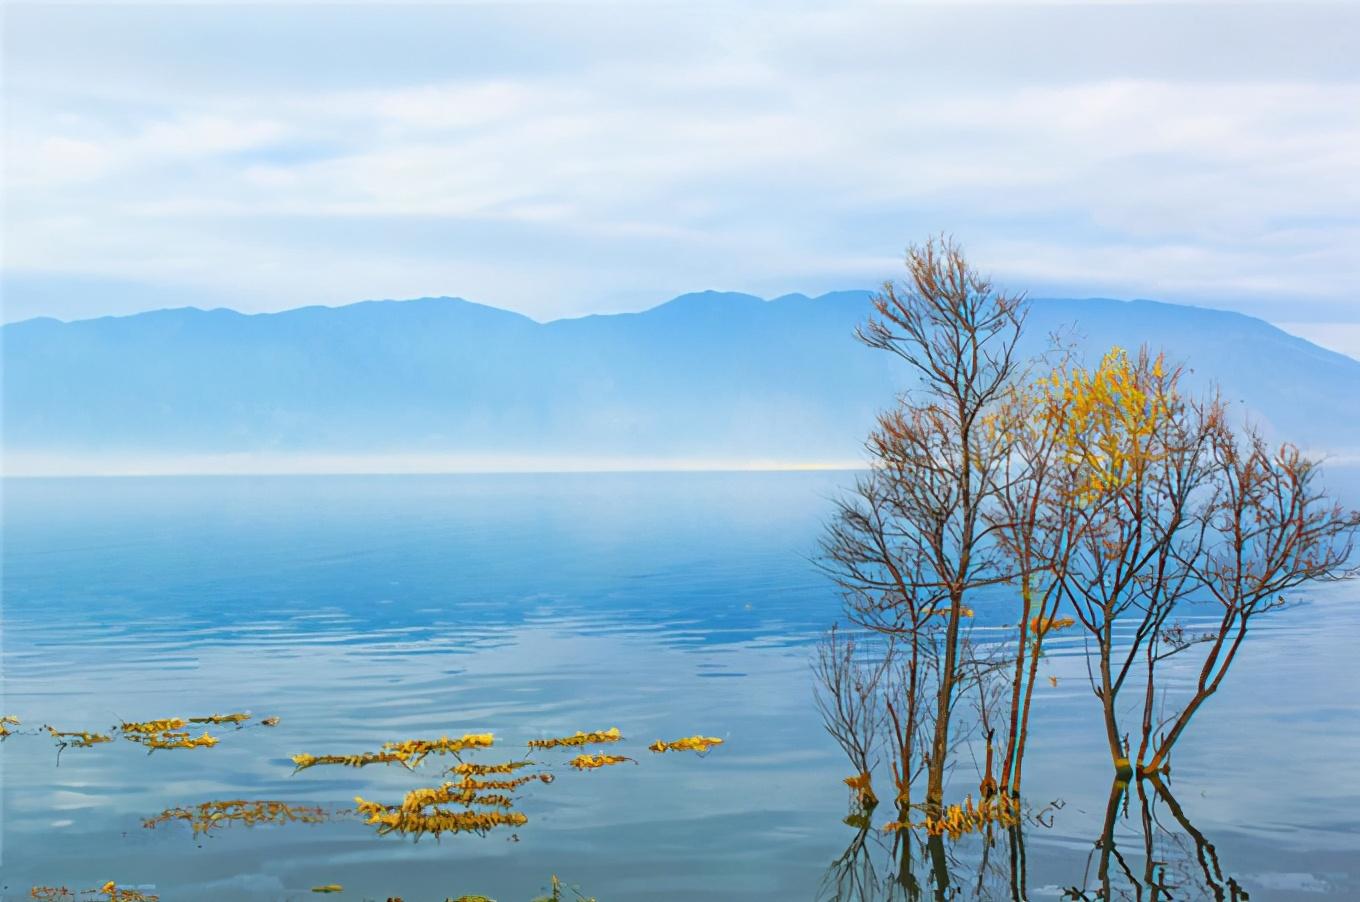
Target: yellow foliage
469 782
417 821
958 820
577 739
169 733
50 893
590 762
414 751
302 762
115 894
508 767
163 725
699 744
179 741
862 786
219 719
1109 420
209 815
270 722
79 738
408 753
451 793
329 888
1042 626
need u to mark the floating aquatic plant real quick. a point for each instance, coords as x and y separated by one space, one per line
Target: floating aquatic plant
467 768
149 727
577 739
408 753
414 751
450 793
7 721
81 739
329 888
363 759
169 732
174 740
113 893
50 893
472 783
219 719
435 821
210 815
957 820
699 744
591 762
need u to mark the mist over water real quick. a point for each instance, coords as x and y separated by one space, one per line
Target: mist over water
366 609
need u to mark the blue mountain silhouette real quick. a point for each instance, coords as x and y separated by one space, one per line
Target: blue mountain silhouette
712 374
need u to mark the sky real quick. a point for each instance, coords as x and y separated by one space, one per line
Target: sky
564 159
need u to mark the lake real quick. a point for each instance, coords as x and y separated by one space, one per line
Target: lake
360 610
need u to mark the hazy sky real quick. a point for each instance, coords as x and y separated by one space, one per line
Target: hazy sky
564 159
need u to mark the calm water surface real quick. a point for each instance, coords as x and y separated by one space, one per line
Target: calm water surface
365 609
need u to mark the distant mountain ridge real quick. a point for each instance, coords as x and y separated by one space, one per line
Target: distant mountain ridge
706 375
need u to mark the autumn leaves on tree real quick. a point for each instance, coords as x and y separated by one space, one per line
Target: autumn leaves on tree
1053 495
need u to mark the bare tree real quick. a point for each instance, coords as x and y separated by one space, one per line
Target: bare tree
848 696
1270 529
936 461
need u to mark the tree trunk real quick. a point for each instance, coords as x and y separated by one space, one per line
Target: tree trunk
939 746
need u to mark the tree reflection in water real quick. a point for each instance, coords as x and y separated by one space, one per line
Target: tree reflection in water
1147 849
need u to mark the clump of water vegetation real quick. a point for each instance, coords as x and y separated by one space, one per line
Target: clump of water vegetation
109 891
578 739
592 762
159 733
479 800
700 744
208 816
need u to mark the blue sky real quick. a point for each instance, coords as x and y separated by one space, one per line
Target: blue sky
563 159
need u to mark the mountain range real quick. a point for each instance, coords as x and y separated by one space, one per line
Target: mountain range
706 376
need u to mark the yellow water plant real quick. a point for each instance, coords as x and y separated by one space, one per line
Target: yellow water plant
363 759
219 719
414 751
592 762
578 739
699 744
114 893
418 821
208 816
467 768
956 821
470 782
82 739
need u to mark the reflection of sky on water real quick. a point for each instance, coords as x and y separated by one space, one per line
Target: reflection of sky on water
366 609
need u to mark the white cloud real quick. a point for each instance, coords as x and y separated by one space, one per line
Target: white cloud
781 150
